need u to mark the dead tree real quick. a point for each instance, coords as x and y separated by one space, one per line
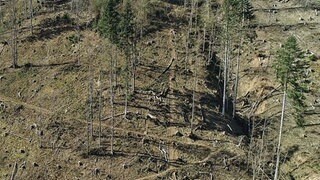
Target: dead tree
112 86
14 42
235 95
280 134
133 66
77 12
194 89
100 107
31 17
225 66
90 110
188 35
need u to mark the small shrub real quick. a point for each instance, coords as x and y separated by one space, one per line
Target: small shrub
66 18
74 38
130 97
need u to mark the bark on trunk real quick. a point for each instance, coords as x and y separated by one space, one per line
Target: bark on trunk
280 133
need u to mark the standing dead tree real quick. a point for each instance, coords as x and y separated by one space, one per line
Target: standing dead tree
100 107
14 42
90 109
235 92
112 87
31 16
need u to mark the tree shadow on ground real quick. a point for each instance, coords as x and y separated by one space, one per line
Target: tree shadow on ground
163 18
49 33
31 65
214 81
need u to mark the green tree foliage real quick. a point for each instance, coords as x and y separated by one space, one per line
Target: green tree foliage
247 9
126 27
143 9
117 26
290 71
235 9
108 23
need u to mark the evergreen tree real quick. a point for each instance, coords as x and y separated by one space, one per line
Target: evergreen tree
126 27
247 9
108 24
289 67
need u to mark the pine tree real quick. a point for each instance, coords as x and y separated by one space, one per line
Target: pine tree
247 9
289 67
126 27
108 24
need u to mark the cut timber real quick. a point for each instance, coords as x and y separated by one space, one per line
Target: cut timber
14 171
146 92
117 115
151 116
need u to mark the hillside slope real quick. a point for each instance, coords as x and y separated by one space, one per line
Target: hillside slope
44 103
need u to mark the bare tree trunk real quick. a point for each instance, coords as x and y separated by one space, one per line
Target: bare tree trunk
226 62
280 133
91 106
195 72
100 108
225 75
236 83
133 75
127 95
205 25
193 106
133 66
31 17
188 35
237 69
262 147
14 36
1 16
90 110
25 9
112 86
78 30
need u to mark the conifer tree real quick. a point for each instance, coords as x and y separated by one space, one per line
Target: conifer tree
108 24
289 67
126 27
247 9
